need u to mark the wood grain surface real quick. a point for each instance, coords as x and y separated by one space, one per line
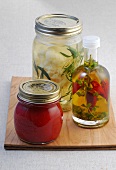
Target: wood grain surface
71 137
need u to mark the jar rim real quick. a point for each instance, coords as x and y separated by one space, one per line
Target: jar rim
58 24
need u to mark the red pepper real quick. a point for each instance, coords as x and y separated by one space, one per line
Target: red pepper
91 99
105 87
75 87
102 89
97 87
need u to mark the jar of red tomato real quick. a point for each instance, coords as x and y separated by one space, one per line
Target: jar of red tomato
38 115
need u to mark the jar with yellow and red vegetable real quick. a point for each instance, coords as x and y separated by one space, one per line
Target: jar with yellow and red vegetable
90 81
38 115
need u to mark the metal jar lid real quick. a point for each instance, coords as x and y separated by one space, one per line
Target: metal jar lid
39 91
58 24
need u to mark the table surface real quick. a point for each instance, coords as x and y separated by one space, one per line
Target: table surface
16 36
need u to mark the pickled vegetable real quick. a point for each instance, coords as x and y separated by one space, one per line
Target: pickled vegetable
91 92
57 63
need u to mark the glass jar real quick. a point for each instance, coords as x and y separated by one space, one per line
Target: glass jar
38 115
91 87
57 51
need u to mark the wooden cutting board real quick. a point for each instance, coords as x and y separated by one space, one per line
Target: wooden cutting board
71 137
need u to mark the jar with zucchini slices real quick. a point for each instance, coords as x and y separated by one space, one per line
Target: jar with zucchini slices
57 51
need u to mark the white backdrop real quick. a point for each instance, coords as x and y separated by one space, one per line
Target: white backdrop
17 19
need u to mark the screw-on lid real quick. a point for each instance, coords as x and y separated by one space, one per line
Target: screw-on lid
39 91
58 24
91 42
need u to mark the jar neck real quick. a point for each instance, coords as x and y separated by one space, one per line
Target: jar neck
45 105
58 40
91 54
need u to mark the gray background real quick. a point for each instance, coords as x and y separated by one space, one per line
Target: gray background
16 36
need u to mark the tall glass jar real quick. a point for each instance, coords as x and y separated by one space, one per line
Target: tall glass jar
57 51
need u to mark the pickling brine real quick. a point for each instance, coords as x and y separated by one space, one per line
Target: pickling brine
56 54
90 94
